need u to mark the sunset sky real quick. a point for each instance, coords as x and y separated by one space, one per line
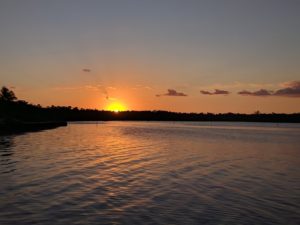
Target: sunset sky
178 55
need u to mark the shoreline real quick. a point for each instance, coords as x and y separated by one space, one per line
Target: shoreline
22 127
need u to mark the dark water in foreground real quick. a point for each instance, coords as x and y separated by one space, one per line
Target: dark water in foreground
152 173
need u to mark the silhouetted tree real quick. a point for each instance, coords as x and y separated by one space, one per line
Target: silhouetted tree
257 112
7 95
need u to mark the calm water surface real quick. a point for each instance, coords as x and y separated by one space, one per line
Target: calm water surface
152 173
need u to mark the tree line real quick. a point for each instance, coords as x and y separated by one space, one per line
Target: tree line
14 109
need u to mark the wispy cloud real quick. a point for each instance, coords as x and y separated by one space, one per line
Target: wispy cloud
67 88
112 88
237 84
173 93
92 87
216 92
139 86
95 87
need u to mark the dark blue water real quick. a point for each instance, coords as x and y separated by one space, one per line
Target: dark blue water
152 173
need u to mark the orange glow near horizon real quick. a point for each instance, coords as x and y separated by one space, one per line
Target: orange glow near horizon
116 107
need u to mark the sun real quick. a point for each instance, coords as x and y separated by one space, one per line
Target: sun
116 107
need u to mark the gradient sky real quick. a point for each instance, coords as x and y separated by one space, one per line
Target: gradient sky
153 54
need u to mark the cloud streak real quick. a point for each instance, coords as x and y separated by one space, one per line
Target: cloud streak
238 84
216 92
94 87
173 93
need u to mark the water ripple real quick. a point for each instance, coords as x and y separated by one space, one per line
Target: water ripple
151 173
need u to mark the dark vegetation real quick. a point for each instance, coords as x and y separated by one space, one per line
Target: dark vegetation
12 109
20 116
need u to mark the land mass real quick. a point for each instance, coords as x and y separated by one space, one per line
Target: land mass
23 111
20 116
8 126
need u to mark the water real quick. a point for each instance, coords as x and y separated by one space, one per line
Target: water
152 173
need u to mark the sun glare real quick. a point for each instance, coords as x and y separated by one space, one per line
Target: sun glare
116 107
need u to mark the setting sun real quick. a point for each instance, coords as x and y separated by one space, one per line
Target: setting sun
116 107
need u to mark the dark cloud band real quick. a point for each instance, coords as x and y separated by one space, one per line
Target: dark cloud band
292 89
216 92
172 92
261 92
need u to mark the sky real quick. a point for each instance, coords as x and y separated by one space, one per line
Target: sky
185 56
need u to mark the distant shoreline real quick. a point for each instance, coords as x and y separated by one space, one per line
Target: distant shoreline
19 116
